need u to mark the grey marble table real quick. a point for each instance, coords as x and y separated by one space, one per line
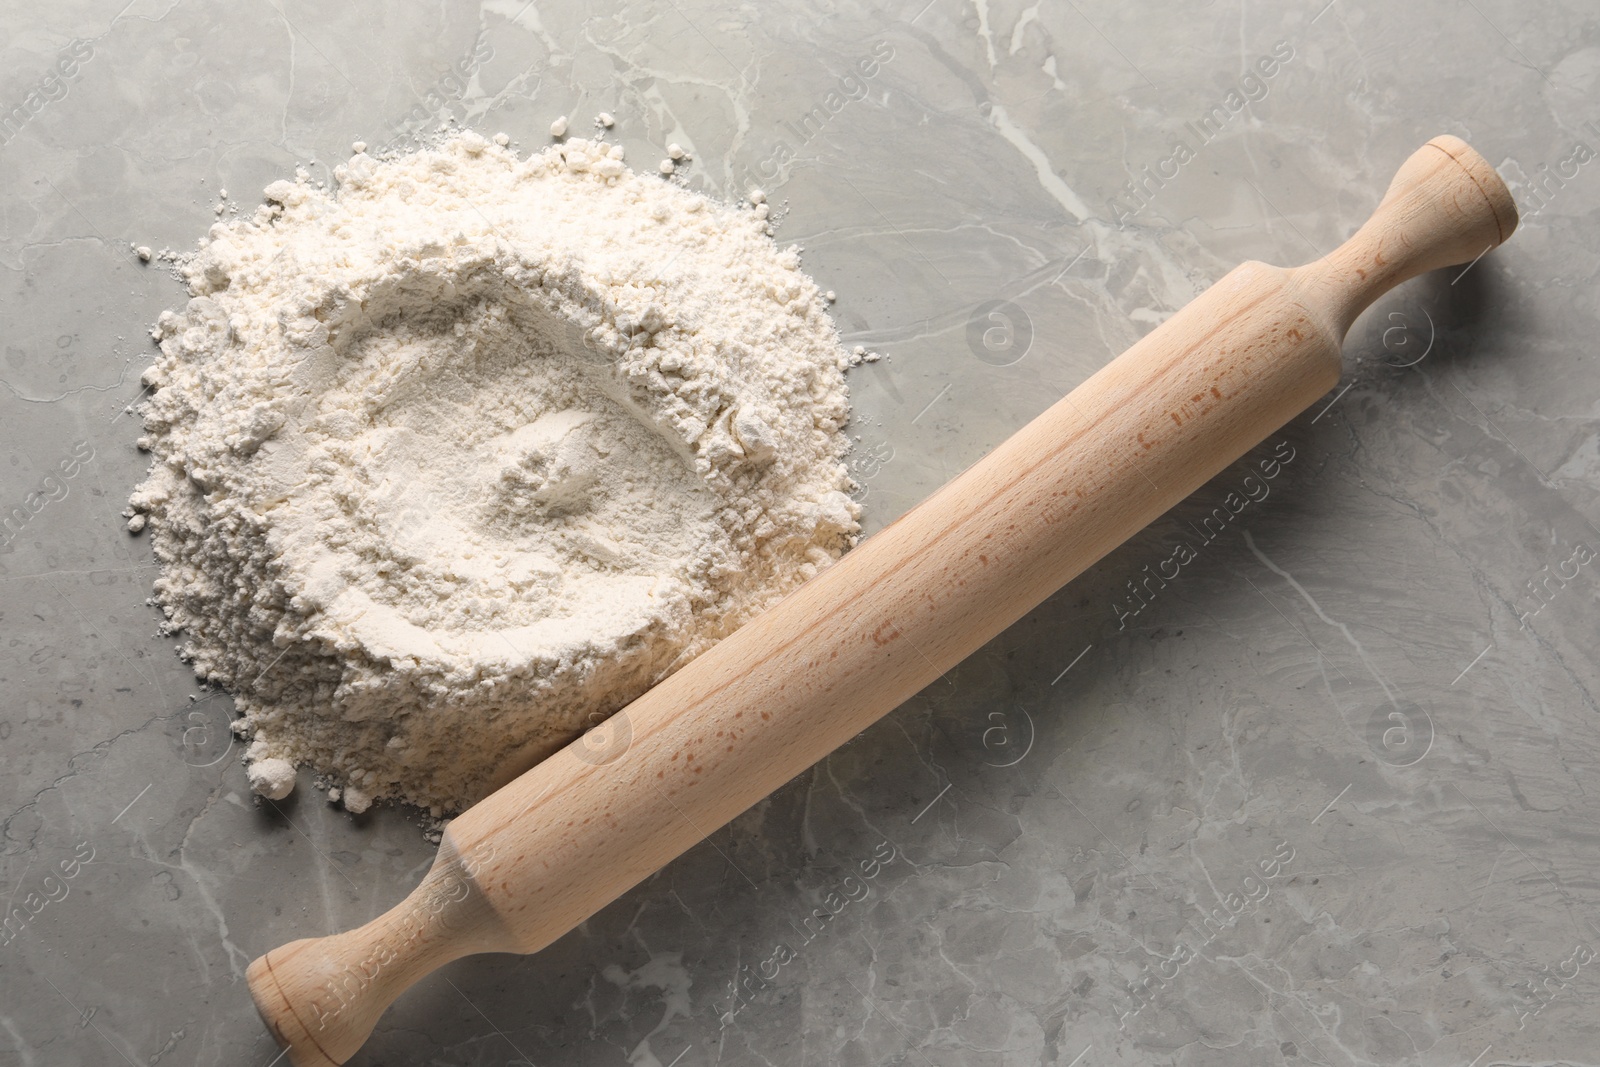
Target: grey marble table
1327 796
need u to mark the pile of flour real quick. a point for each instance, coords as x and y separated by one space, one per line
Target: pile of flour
458 459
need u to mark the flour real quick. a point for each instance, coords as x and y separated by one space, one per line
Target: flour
458 459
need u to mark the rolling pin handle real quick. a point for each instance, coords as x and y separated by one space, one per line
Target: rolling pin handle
321 997
1446 206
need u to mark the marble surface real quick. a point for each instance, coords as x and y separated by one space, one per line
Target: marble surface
1327 797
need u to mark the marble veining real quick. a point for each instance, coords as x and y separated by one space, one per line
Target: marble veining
1317 787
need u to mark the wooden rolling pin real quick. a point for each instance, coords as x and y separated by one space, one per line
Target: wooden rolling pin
556 845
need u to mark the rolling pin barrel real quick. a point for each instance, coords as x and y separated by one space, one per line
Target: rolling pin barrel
536 858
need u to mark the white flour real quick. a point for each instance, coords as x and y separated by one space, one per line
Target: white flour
457 461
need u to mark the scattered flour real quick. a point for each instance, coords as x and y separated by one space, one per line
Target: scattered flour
458 459
273 778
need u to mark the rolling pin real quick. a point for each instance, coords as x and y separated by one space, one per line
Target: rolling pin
533 860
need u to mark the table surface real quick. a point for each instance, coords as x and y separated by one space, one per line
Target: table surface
1327 796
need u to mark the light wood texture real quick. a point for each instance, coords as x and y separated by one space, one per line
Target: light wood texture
533 860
